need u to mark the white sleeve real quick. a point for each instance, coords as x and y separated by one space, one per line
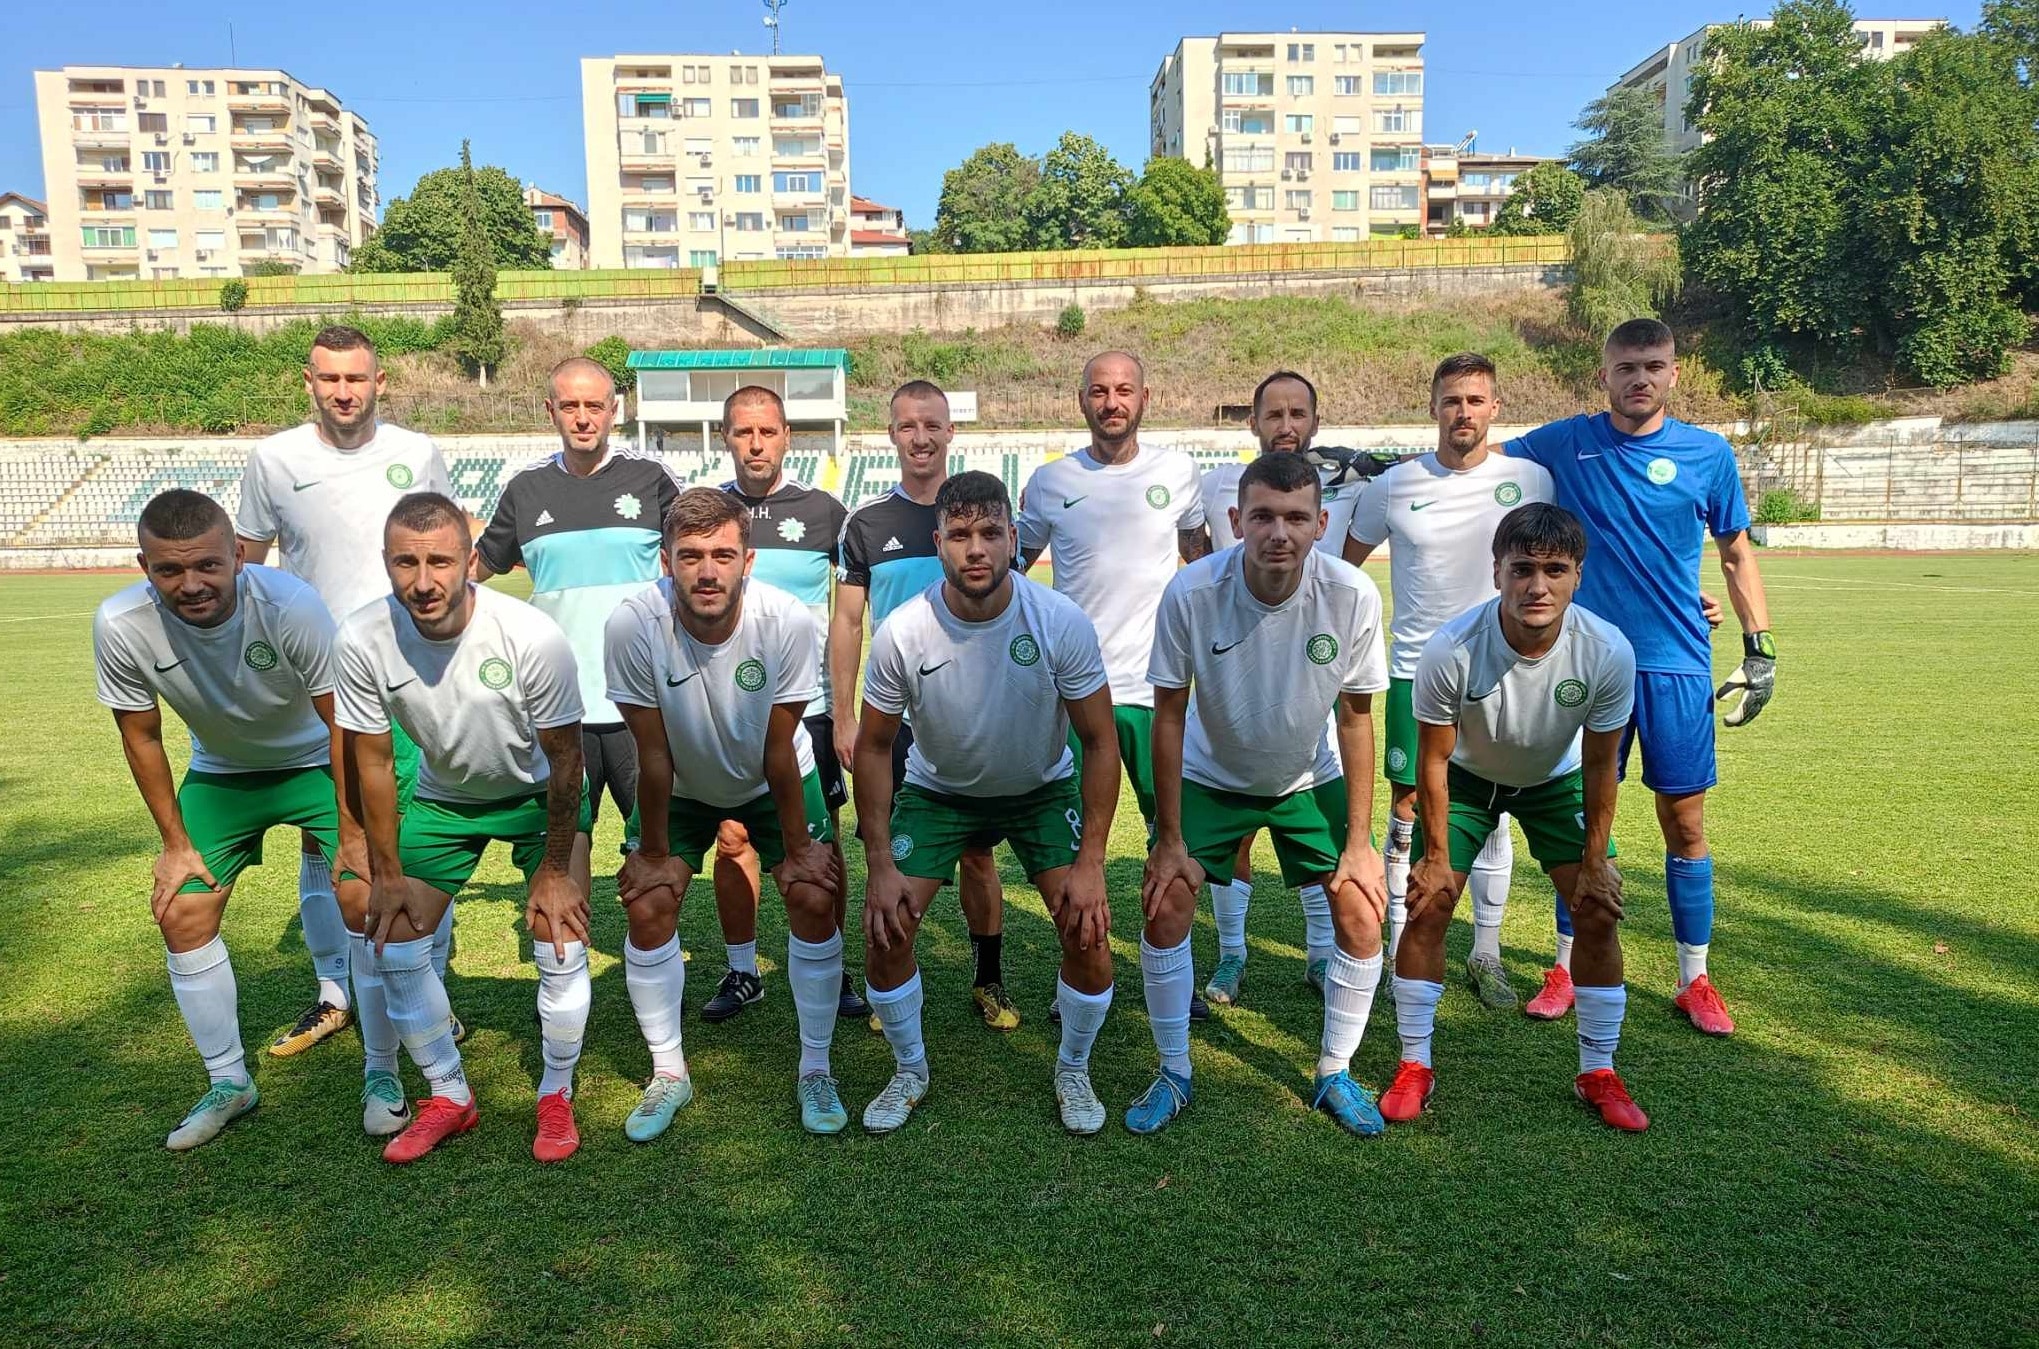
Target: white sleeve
798 678
552 681
307 637
437 479
1368 672
121 686
357 699
1437 692
258 515
1032 523
1613 689
885 672
1075 658
1168 664
1542 486
1370 516
1192 513
627 659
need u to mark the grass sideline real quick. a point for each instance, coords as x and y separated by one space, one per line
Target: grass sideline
1852 1168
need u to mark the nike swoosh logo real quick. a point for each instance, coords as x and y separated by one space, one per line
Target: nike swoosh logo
1217 650
927 670
673 683
1482 697
165 669
300 486
1067 502
1419 505
1595 455
392 688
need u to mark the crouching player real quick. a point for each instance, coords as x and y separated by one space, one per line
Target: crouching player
1520 705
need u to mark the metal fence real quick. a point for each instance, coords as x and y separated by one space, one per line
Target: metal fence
1922 472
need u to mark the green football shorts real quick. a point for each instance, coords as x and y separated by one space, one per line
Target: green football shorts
404 759
691 825
1399 766
227 814
1552 815
1135 727
1306 827
930 830
441 842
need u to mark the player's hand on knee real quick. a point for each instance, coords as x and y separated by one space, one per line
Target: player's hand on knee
1755 679
640 875
1361 868
886 909
1169 867
1430 882
556 900
1086 906
1598 888
173 868
389 898
810 864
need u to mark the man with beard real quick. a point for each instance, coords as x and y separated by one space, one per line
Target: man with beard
713 673
322 491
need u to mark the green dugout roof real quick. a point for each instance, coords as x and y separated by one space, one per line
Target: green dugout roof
811 358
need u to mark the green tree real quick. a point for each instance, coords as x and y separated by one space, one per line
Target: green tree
1618 271
422 232
2014 24
1175 203
477 318
1625 151
1545 200
983 203
1081 200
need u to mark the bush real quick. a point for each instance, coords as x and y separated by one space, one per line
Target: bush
1766 368
1069 323
613 353
1782 506
233 294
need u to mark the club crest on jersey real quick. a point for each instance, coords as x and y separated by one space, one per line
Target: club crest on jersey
1661 471
1398 759
260 656
792 531
629 507
1569 693
1321 649
1157 497
399 475
1025 650
902 847
1507 494
494 673
750 676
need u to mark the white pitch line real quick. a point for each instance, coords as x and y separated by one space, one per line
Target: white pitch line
37 618
1843 582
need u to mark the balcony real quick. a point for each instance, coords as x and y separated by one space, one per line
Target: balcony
274 176
325 121
252 102
275 138
279 214
329 194
103 177
100 138
96 98
327 158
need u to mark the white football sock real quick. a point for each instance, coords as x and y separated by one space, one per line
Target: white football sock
815 971
423 1019
1395 856
1082 1016
1319 938
203 981
743 956
1691 963
442 941
1564 956
1416 1017
1599 1011
563 996
371 1009
898 1012
325 931
1228 904
1349 986
1488 884
1169 978
657 979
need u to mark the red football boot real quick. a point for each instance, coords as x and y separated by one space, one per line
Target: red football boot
1412 1089
435 1120
1554 999
1702 1002
557 1139
1602 1091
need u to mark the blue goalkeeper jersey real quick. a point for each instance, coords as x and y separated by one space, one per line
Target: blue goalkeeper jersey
1648 503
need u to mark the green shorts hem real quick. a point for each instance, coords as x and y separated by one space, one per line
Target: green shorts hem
1307 828
1398 763
1552 815
930 830
227 814
691 826
440 843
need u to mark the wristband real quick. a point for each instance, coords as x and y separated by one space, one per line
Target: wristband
1759 644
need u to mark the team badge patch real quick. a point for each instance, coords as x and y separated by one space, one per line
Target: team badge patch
902 847
260 656
1507 494
1569 693
629 507
494 673
1025 650
1398 759
1322 649
1661 471
399 475
1157 497
750 676
792 531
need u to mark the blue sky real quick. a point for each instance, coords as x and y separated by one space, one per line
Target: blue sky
926 84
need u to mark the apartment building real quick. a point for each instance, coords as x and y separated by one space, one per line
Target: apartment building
24 240
175 172
1461 186
1667 73
877 230
696 159
1315 136
562 222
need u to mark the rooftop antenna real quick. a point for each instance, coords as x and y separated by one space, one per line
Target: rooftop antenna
772 8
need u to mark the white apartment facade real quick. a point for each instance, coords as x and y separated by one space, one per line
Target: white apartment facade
1667 73
1316 136
694 160
157 172
25 250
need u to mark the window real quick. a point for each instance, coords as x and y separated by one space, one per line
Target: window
1298 161
205 162
749 182
701 222
1249 159
1302 51
644 105
116 199
208 87
543 216
655 182
1344 161
649 220
1393 199
793 224
1392 120
697 145
201 123
750 222
152 122
162 238
1248 123
698 107
743 108
157 88
1302 86
1398 83
1296 201
793 147
1394 159
159 201
701 257
797 105
687 75
1347 126
1345 201
1338 54
1345 234
1250 198
796 252
1250 82
796 184
207 199
208 240
1255 234
98 119
747 145
1345 84
191 86
1298 122
109 236
155 161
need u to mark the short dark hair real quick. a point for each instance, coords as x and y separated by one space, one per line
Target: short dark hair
1463 363
180 514
421 511
915 388
1540 529
340 337
703 510
753 393
1277 377
1639 335
1281 473
972 494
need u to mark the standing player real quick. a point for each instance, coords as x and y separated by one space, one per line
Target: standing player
1648 488
322 491
995 672
1117 517
485 686
1271 635
1435 511
794 534
1505 693
888 556
244 656
713 674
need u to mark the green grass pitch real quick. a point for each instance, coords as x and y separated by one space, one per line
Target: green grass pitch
1858 1166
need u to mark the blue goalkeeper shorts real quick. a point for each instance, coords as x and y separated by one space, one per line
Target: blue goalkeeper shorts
1673 720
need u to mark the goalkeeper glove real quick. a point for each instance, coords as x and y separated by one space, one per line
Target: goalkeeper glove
1755 679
